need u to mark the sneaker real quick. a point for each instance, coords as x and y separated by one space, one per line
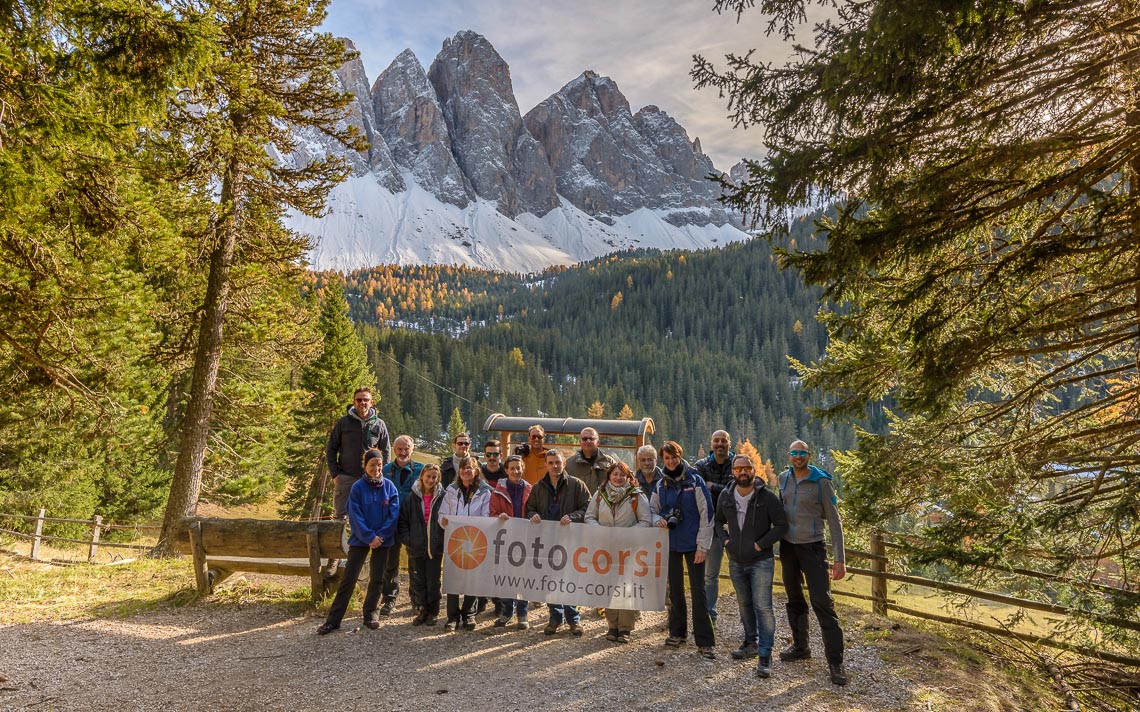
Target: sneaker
523 623
469 623
576 630
764 666
674 642
452 626
331 567
791 653
386 608
611 635
707 653
838 673
551 628
372 622
623 636
746 651
327 628
502 621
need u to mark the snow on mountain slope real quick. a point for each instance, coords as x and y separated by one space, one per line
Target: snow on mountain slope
368 225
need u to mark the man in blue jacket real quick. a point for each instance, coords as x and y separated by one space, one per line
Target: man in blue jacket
749 521
403 472
809 501
373 514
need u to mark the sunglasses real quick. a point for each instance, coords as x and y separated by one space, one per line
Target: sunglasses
363 400
491 454
586 440
536 437
798 453
743 469
463 443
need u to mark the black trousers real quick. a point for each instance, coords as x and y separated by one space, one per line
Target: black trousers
702 623
454 610
352 567
425 576
391 588
808 562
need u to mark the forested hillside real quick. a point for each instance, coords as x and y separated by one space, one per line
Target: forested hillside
695 340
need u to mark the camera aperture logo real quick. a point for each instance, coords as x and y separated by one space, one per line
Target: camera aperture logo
467 547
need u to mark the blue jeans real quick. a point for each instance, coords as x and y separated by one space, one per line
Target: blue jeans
753 584
559 611
713 557
509 607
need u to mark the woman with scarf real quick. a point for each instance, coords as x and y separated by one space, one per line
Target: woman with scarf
681 503
508 500
373 514
619 502
468 496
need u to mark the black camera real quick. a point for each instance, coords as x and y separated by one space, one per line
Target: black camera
523 450
675 517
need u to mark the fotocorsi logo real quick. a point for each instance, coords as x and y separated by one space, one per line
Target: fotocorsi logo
467 547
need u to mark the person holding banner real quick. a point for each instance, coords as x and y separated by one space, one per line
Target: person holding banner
468 496
558 497
682 504
508 499
373 513
422 536
619 502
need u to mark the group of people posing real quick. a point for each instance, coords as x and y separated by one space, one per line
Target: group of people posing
716 506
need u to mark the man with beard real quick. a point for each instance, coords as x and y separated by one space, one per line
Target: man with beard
461 448
749 521
403 472
359 430
716 469
589 464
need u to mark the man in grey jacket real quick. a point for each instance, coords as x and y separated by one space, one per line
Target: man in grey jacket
809 500
590 463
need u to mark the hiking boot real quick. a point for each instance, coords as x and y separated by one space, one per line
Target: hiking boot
576 630
421 616
746 651
838 673
523 623
791 653
452 625
431 618
386 607
327 628
707 653
674 642
372 623
469 623
502 621
764 666
623 636
480 605
551 628
611 635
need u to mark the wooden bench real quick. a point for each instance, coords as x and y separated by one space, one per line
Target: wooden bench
221 547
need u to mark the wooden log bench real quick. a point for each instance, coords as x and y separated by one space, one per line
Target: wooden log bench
221 547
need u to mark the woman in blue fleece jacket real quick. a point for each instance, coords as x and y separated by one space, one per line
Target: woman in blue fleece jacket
373 513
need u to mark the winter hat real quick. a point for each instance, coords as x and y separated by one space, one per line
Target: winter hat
371 454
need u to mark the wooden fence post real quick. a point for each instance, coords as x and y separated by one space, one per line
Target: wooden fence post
201 568
92 550
878 583
38 534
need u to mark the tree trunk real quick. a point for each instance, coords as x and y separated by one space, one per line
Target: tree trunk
187 483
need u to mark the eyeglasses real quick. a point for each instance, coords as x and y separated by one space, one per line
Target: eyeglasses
363 400
743 469
798 453
586 439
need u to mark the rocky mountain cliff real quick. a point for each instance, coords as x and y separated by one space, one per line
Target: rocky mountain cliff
454 173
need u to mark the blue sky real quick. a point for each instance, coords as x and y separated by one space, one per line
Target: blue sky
644 45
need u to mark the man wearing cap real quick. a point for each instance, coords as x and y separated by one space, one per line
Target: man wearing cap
809 501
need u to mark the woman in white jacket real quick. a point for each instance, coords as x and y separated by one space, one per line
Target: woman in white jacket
619 502
468 496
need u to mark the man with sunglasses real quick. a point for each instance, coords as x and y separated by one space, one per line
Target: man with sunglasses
809 501
533 453
590 463
461 448
493 467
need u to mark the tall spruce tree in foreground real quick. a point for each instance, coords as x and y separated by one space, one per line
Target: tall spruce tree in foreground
985 159
329 381
272 74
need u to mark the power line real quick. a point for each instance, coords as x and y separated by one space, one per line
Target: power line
445 389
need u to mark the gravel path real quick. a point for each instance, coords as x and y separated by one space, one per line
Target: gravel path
230 657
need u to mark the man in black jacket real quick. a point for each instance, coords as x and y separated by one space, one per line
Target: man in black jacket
716 469
358 431
749 520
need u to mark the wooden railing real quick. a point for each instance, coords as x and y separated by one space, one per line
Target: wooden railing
96 523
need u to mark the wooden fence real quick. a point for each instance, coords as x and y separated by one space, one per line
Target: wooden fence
96 524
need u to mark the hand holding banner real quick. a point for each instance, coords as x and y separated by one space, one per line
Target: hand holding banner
577 564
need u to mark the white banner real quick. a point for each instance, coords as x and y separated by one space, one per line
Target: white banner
577 564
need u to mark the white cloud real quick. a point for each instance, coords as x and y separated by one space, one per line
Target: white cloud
646 46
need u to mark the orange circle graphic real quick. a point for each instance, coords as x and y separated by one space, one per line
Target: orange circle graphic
467 547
